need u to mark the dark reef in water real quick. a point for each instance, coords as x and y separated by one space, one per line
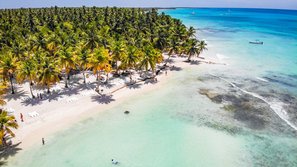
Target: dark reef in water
243 108
248 111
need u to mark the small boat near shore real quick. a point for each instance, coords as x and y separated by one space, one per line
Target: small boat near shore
256 42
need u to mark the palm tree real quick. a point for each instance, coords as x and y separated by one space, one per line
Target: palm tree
99 61
66 61
118 52
92 38
53 42
8 65
150 58
202 46
7 122
192 48
104 36
48 73
18 49
27 70
131 59
195 47
2 91
161 41
174 47
82 59
191 32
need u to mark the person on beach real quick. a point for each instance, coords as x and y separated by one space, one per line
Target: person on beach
166 73
43 142
22 117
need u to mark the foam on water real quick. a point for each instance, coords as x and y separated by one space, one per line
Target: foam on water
276 106
262 79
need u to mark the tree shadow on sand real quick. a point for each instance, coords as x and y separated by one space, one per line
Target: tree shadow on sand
150 81
31 101
134 86
169 61
195 62
17 95
108 85
54 95
103 99
8 151
174 68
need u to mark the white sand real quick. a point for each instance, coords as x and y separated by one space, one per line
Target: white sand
62 111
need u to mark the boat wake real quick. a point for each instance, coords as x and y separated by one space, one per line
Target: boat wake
276 106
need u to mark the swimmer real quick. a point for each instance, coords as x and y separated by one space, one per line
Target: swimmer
114 162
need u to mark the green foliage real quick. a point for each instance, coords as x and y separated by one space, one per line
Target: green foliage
43 45
7 122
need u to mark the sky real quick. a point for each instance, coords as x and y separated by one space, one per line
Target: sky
276 4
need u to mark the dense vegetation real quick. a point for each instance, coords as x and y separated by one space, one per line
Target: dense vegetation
43 46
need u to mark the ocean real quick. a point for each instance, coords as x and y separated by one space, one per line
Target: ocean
241 112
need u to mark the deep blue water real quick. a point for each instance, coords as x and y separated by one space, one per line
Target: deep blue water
228 32
277 22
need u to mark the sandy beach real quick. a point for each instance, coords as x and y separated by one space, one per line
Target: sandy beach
62 109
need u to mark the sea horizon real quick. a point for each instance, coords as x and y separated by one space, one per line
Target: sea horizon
157 7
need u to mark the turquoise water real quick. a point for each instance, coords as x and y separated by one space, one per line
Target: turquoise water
228 31
177 126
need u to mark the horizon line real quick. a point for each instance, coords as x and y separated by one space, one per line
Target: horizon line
154 7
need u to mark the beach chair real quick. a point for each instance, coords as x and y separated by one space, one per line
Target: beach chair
9 110
33 114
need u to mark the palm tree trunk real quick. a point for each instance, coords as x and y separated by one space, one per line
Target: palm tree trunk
130 76
84 76
48 89
189 57
4 141
169 56
66 80
31 91
98 83
11 84
117 68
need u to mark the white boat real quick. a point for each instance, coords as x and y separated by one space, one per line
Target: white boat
256 42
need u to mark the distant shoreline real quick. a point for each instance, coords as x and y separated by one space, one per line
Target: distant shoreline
161 8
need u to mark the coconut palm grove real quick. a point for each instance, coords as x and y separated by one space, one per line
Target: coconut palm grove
45 46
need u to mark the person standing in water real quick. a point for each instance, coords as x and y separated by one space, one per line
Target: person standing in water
43 142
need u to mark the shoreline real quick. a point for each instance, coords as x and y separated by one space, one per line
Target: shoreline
51 120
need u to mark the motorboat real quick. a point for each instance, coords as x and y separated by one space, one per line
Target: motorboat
256 42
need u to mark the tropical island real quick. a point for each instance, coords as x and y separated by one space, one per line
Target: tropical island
131 87
42 48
